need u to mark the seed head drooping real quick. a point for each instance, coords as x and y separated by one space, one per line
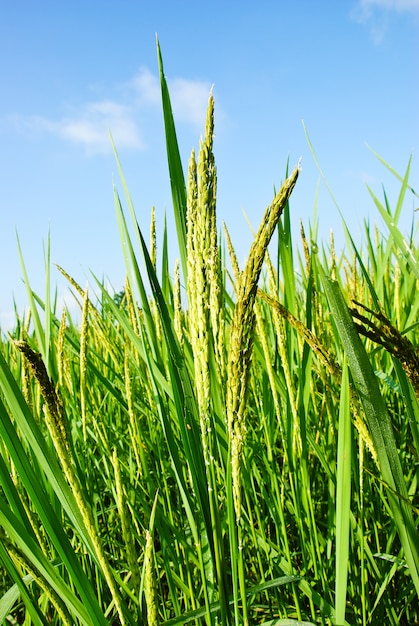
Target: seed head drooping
242 327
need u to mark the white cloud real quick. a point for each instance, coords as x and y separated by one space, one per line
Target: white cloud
375 14
92 128
367 6
189 98
189 101
146 87
91 124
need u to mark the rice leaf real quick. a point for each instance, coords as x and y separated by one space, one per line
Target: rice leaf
177 179
379 424
343 497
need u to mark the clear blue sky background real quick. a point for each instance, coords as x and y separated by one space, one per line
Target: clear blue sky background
71 70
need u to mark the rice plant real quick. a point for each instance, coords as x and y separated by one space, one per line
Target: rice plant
216 444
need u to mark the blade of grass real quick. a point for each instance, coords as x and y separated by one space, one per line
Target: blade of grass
181 393
18 591
33 308
391 222
391 169
33 483
24 541
343 497
379 423
177 179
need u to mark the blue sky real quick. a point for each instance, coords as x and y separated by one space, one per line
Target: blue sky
72 70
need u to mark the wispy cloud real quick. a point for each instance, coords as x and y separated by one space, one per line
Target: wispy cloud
189 98
376 14
90 125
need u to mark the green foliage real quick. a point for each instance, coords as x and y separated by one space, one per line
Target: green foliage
247 457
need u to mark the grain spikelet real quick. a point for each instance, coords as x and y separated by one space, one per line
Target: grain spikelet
57 426
242 328
150 586
204 285
126 525
83 359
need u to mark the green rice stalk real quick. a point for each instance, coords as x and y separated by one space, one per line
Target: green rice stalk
262 334
131 308
324 355
333 265
206 328
207 194
87 614
126 525
90 311
241 339
60 348
59 606
391 221
233 258
157 322
198 300
71 280
177 306
315 344
26 387
204 285
36 320
380 427
32 476
177 387
135 431
54 414
150 583
83 360
397 294
343 497
361 454
153 258
57 426
15 574
191 244
23 501
177 179
153 240
387 335
238 370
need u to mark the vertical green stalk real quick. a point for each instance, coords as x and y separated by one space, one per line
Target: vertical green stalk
205 326
177 306
380 426
203 285
57 426
126 526
60 349
150 583
19 559
239 361
242 328
153 240
83 360
343 496
136 435
177 179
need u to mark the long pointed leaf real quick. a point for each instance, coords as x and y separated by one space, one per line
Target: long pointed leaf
177 179
379 424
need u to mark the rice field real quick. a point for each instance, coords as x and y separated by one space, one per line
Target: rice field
217 444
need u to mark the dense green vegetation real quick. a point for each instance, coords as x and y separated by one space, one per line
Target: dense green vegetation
215 444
